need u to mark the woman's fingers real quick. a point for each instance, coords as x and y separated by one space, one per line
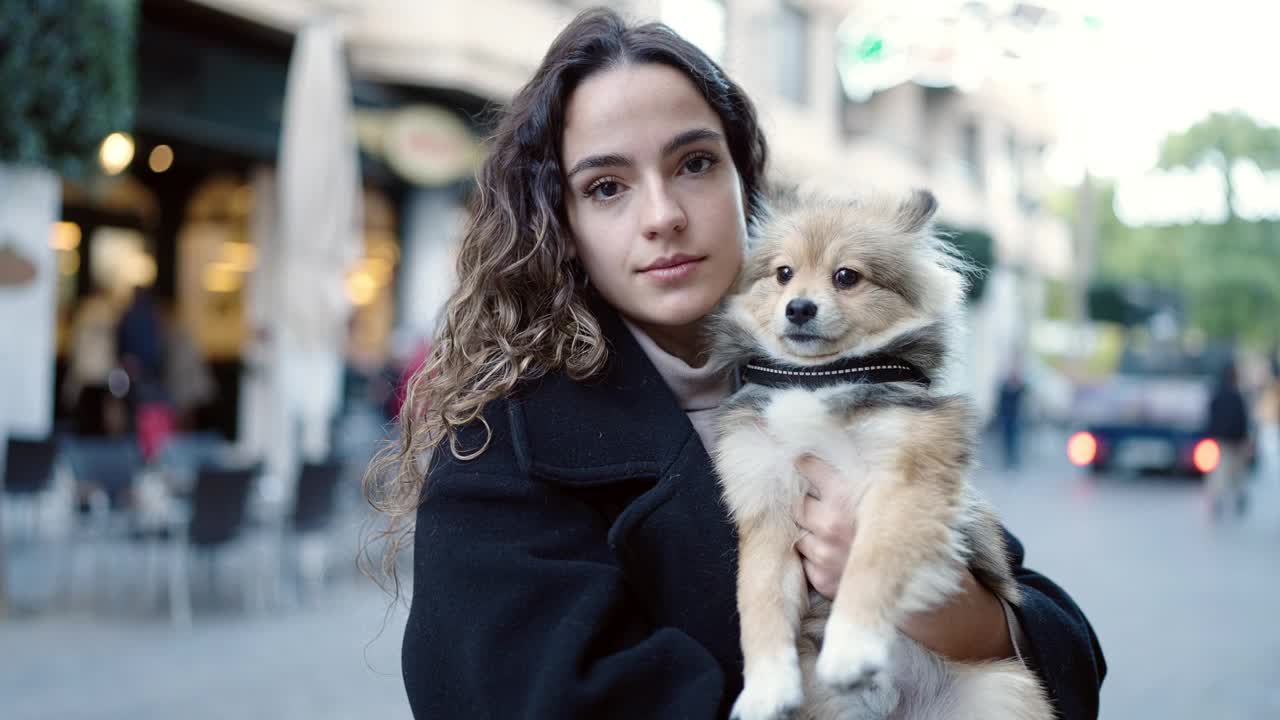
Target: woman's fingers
827 553
812 548
827 525
823 562
823 478
829 519
821 580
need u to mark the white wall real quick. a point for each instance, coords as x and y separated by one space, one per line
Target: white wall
29 202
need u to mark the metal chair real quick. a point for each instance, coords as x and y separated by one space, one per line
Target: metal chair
28 474
216 519
309 524
106 472
314 499
31 514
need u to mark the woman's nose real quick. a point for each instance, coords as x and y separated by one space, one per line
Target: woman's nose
663 213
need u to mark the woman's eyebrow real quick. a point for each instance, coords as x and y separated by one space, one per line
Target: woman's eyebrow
599 161
615 160
689 137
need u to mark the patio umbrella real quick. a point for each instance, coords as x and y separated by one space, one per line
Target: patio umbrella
319 236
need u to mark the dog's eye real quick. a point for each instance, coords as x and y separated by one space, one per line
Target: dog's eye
785 274
846 278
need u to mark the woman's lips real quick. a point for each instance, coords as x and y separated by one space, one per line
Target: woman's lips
677 271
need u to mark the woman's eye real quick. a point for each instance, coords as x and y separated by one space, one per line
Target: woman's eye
604 190
846 278
785 274
697 164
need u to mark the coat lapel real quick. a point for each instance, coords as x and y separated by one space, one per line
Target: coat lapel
624 425
622 440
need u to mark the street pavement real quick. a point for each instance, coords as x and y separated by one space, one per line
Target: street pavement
334 661
1186 613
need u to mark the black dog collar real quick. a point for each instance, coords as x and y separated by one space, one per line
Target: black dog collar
874 369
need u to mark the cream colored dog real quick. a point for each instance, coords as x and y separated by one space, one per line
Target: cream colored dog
842 320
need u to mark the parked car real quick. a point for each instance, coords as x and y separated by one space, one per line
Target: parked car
1149 415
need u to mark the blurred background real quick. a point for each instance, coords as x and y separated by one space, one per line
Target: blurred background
227 227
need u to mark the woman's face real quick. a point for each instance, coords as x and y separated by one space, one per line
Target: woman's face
654 200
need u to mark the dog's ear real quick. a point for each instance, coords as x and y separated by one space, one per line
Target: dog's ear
917 211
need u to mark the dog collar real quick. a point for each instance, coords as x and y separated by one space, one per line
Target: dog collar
873 369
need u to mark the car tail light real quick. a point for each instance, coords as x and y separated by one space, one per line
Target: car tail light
1082 449
1207 455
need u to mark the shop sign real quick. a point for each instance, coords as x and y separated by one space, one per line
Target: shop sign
15 268
425 145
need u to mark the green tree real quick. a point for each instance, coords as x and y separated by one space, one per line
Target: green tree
1228 273
67 69
1220 140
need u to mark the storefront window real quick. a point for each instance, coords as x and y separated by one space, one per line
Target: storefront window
215 254
370 286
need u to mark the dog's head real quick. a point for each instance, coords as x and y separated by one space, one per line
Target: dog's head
827 278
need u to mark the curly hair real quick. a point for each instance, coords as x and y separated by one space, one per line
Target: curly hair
518 311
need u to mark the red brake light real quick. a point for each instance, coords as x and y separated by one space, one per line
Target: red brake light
1082 449
1207 455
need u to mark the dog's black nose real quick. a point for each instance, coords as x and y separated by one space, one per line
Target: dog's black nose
801 311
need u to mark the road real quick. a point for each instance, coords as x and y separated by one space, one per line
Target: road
1186 611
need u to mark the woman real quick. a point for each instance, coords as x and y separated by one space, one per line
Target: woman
572 557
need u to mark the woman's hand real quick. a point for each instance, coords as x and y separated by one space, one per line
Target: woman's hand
827 525
970 625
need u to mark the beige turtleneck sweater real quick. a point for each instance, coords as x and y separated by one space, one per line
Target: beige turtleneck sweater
699 390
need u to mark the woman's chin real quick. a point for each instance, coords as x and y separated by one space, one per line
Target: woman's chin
676 312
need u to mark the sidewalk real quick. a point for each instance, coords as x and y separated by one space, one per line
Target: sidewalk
332 662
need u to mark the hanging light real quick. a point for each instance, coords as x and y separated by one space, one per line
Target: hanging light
160 159
115 153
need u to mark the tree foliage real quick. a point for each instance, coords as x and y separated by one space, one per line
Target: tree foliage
67 69
1228 274
1220 140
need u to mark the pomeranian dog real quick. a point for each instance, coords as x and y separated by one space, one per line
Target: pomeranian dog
841 325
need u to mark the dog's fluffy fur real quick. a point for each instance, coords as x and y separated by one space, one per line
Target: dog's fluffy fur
906 449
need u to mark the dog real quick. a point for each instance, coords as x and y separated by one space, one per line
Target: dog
841 325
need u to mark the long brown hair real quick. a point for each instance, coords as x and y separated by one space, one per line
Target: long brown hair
517 311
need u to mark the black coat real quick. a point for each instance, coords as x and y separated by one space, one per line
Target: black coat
584 567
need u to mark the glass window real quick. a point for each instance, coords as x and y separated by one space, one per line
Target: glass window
793 54
701 22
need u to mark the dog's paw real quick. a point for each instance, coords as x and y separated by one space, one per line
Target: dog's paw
773 691
853 657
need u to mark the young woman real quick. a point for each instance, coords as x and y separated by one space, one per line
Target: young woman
571 555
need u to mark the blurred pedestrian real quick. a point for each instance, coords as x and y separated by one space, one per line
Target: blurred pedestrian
1229 426
1268 414
1009 403
140 340
140 345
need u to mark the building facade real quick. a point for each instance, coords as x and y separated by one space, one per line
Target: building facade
978 145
